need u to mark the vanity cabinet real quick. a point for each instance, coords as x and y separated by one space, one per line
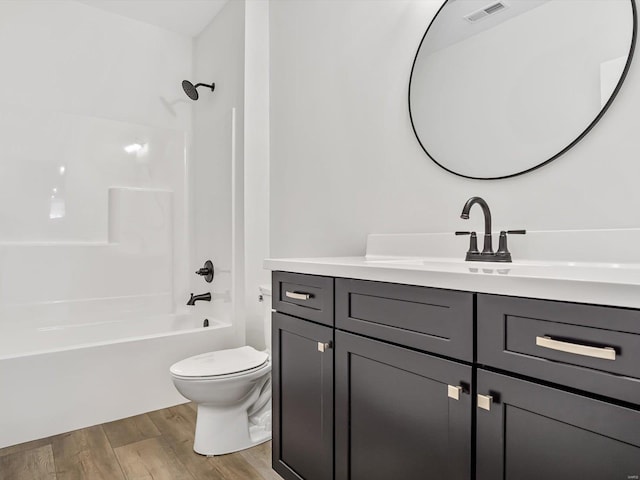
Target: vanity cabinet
302 372
400 413
568 420
528 431
450 385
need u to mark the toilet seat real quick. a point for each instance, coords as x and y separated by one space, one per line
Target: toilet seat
257 371
222 363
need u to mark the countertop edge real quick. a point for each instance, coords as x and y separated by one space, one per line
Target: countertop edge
559 289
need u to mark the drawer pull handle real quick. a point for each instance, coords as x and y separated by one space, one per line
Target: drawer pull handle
297 295
606 353
324 346
484 402
454 392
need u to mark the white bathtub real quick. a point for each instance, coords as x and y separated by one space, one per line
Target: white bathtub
55 379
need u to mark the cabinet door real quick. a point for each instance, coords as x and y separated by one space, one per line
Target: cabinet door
400 414
533 432
302 399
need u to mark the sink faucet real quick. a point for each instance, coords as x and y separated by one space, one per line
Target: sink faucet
206 297
487 254
488 248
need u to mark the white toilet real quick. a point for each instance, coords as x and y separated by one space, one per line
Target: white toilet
233 391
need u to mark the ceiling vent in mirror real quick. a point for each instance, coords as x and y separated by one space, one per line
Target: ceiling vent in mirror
484 12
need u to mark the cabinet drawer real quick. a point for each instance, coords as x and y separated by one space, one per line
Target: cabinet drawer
429 319
588 347
304 296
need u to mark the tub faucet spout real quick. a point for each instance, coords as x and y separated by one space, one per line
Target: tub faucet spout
206 297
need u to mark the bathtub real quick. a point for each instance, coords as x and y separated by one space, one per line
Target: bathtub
55 379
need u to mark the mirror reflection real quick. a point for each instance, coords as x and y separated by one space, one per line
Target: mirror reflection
499 88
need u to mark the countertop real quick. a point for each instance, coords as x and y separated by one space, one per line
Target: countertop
615 283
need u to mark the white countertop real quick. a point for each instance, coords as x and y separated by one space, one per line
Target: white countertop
614 283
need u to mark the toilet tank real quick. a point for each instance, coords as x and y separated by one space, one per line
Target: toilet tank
265 293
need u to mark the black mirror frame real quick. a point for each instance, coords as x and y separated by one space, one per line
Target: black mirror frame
564 150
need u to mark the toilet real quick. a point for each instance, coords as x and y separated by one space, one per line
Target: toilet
232 389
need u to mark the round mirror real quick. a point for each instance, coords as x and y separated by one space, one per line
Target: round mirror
501 87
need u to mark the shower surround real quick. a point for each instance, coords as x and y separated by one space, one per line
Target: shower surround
96 211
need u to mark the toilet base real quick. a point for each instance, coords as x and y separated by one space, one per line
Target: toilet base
220 431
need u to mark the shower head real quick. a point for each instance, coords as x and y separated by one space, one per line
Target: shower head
191 90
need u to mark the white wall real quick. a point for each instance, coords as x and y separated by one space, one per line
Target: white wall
256 171
68 57
78 85
344 160
217 165
231 164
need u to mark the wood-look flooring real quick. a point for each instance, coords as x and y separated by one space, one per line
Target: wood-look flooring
153 446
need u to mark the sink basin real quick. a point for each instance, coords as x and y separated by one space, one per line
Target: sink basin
451 262
577 271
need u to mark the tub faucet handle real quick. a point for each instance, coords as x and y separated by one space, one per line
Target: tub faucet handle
207 271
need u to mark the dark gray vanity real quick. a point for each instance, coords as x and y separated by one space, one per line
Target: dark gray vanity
380 381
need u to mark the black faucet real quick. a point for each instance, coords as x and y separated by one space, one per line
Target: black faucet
488 248
206 297
487 254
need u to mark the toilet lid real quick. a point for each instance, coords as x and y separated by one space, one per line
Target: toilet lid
222 362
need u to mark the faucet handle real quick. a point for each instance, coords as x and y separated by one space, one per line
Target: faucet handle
473 242
207 271
503 251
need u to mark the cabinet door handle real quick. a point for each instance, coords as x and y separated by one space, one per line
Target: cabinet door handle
606 353
454 392
297 295
484 402
324 346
